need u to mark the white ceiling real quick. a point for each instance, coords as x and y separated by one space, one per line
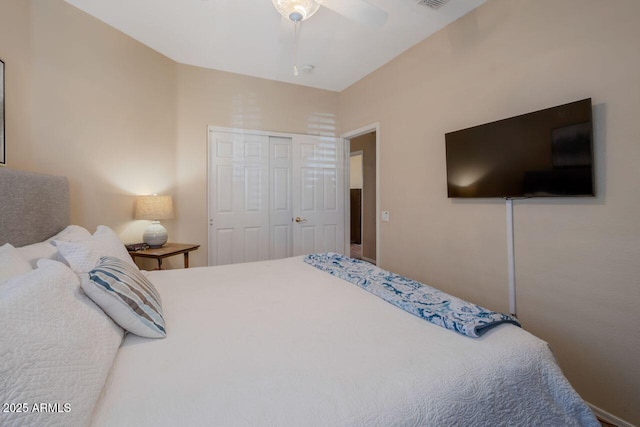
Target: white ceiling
248 37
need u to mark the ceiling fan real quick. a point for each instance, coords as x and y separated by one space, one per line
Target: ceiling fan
297 11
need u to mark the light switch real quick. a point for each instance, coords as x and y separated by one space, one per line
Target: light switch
385 216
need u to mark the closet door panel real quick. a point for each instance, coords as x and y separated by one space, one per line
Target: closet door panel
280 198
239 210
318 194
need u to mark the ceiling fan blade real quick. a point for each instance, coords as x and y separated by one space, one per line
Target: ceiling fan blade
359 11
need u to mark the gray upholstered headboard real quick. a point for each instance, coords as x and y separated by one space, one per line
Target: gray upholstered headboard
33 207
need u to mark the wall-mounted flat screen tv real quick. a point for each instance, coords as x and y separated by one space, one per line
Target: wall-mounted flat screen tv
547 153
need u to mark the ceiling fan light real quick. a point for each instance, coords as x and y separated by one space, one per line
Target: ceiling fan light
296 10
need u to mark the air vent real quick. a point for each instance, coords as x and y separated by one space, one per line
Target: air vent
433 4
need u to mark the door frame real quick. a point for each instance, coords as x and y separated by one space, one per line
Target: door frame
347 137
250 132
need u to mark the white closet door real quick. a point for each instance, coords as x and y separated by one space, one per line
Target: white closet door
239 198
318 194
260 184
281 213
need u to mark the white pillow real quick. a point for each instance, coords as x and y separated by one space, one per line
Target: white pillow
46 250
127 296
38 251
83 255
72 233
12 263
56 347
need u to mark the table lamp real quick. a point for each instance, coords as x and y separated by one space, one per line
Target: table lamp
154 208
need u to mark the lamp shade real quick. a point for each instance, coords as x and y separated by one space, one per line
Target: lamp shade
154 207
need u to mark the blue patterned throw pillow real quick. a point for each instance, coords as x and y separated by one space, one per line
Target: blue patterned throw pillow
127 296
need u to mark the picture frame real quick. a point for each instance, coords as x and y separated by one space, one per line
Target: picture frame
3 159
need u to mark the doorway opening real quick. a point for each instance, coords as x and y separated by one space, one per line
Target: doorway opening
355 203
363 203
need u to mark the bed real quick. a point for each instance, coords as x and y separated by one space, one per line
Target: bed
271 343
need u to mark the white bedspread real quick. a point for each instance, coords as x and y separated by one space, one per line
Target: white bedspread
280 343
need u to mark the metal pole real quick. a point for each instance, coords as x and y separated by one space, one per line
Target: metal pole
511 259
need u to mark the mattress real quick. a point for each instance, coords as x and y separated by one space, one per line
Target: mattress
281 343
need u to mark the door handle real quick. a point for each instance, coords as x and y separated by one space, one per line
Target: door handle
298 219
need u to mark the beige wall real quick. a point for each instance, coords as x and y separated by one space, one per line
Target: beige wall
367 144
86 101
577 266
209 97
15 42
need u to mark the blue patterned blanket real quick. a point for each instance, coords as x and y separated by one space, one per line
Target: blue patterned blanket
413 297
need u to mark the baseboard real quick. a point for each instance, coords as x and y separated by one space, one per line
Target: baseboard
610 418
372 261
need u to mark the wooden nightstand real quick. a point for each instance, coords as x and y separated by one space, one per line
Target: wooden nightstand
170 249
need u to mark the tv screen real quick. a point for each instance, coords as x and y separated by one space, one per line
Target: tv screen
548 153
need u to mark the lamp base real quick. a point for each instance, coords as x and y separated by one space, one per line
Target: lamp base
155 235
